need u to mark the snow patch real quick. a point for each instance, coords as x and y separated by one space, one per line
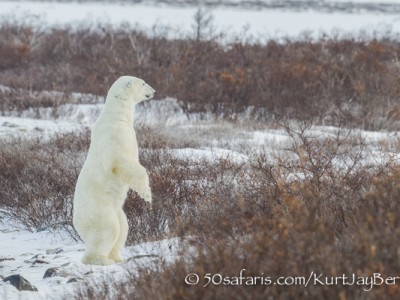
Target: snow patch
264 24
27 253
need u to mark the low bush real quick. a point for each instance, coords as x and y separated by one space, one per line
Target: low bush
350 79
37 179
321 215
322 206
319 224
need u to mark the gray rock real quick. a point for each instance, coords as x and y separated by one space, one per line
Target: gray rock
88 273
9 124
6 258
54 251
20 283
53 272
75 279
9 230
39 261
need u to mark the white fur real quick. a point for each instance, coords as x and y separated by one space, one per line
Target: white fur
111 168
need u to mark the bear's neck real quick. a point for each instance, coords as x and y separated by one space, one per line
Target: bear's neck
123 113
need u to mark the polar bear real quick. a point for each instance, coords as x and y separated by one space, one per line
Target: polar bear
111 168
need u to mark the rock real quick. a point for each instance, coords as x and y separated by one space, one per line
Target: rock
9 124
53 272
54 251
9 230
35 261
75 279
6 258
20 283
39 261
88 273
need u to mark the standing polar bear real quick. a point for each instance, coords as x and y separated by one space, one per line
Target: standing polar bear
111 168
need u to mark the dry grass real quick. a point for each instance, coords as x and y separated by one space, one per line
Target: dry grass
321 208
354 80
307 212
37 179
328 220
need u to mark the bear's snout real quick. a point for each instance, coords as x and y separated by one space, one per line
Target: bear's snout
151 94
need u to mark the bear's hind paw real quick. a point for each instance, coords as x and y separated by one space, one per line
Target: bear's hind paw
116 258
97 260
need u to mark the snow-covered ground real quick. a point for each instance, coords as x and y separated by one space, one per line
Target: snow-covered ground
262 23
31 254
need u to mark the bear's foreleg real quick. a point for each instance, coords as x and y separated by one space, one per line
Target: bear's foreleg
138 180
143 187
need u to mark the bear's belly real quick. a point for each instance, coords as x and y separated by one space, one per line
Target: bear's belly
116 192
101 192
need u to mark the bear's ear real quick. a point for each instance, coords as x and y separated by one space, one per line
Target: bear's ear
128 85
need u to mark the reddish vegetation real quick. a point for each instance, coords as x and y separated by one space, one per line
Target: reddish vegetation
255 215
354 81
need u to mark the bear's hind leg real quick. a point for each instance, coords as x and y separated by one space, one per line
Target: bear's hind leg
115 253
99 242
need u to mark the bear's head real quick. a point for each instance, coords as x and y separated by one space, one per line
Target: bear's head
128 90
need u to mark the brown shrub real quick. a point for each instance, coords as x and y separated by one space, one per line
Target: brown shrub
17 100
307 216
331 220
319 209
332 79
37 179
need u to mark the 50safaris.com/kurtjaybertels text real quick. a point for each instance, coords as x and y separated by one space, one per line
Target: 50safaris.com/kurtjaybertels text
367 282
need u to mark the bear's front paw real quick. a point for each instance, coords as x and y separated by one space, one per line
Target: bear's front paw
146 195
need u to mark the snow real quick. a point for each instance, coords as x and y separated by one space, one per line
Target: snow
263 24
29 254
215 138
25 127
208 154
369 1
